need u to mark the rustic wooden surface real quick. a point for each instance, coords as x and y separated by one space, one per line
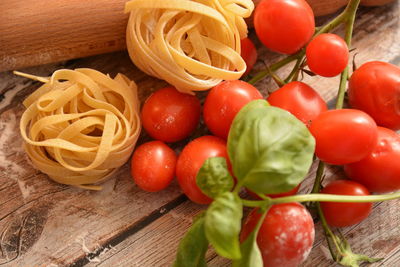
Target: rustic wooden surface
36 32
39 32
46 224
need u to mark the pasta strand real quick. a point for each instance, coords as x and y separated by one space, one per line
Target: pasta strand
80 126
193 45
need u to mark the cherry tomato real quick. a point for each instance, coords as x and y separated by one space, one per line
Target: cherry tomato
327 55
285 194
248 53
286 236
375 88
284 26
170 116
224 101
153 166
190 161
379 171
343 136
345 214
299 99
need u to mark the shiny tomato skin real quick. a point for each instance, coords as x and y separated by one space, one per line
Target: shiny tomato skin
224 101
284 26
343 136
190 161
299 99
249 54
169 115
375 88
286 235
327 55
379 171
153 166
285 194
345 214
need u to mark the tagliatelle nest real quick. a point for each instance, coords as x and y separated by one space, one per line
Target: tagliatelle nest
81 125
193 45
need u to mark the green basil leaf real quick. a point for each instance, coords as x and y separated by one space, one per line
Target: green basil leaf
251 255
193 246
214 178
270 149
223 224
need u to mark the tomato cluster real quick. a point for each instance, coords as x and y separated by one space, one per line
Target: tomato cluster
355 138
170 116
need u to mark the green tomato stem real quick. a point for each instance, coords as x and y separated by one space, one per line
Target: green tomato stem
295 70
342 88
320 198
335 198
262 217
342 17
350 12
331 25
318 177
256 203
328 233
238 187
276 66
264 197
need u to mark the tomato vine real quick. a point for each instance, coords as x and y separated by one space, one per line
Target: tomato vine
255 148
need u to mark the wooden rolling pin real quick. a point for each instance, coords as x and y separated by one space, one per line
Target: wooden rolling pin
36 32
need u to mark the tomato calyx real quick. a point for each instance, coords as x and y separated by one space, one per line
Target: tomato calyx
351 259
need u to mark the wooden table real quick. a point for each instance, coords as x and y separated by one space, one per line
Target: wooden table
46 224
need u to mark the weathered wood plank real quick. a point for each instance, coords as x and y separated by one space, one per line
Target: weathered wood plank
156 244
378 236
45 223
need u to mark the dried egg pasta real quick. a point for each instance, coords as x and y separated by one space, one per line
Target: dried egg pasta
81 125
193 45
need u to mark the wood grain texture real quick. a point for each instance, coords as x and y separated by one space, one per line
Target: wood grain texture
43 223
38 32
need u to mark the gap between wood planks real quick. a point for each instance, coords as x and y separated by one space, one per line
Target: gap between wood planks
142 223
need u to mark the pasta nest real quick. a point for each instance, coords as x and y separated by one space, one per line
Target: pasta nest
81 125
193 45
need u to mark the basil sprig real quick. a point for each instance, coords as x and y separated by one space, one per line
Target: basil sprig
270 149
193 246
214 178
223 224
271 152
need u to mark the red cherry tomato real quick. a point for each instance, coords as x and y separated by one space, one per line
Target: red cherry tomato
224 101
286 235
248 53
190 161
170 116
327 55
286 194
375 88
343 136
299 99
345 214
284 26
380 170
153 166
